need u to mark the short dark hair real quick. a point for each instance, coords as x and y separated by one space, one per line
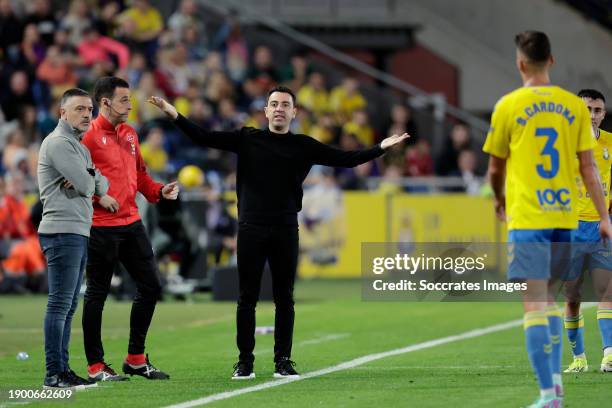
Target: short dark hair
72 92
535 45
105 87
282 89
591 93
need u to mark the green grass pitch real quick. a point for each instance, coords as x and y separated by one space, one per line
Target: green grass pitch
194 342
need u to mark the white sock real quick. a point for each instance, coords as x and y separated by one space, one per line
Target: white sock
557 380
583 355
548 393
607 351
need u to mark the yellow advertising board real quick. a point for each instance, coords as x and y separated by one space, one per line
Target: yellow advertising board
333 248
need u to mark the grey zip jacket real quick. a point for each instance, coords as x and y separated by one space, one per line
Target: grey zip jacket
62 157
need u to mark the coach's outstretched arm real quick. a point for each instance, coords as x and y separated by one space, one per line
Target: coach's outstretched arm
330 156
229 141
592 182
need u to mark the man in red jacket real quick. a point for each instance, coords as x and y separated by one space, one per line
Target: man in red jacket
118 235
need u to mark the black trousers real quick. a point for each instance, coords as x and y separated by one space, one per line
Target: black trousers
129 245
277 244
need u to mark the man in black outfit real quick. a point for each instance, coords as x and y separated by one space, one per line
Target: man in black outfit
272 165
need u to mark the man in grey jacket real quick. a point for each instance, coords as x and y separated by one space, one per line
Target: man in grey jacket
67 180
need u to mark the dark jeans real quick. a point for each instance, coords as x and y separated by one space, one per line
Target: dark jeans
66 258
129 245
277 244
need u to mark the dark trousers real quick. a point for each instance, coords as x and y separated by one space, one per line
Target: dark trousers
129 245
277 244
66 256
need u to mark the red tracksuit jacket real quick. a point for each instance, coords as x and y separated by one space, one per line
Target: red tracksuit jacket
116 153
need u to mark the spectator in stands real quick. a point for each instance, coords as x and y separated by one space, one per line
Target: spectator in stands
61 40
77 20
41 15
107 18
232 44
14 151
391 182
187 17
18 94
324 130
11 30
295 73
196 44
219 87
401 121
467 164
360 127
181 71
227 118
459 140
263 70
137 65
356 178
200 113
95 48
27 122
32 48
56 71
257 117
23 262
142 24
152 150
302 122
313 95
418 162
346 98
141 111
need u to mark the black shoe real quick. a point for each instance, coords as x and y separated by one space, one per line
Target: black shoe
243 371
146 370
106 373
62 381
83 382
284 368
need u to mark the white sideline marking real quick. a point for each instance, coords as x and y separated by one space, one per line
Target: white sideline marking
352 363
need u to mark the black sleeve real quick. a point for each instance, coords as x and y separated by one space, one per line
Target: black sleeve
323 154
229 141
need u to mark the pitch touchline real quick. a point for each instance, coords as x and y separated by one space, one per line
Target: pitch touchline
352 363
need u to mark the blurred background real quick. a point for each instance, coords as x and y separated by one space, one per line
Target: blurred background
362 70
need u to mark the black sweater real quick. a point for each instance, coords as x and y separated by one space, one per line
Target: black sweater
272 167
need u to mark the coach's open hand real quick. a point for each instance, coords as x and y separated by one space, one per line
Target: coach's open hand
170 191
164 106
393 140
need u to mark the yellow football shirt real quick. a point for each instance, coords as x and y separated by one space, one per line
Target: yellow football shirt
539 130
601 153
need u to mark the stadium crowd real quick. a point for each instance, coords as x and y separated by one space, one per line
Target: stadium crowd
213 77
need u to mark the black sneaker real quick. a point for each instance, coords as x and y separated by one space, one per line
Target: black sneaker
146 370
106 373
80 381
284 368
62 381
243 370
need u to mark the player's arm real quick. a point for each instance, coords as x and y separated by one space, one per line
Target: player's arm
497 146
497 177
326 155
229 141
592 182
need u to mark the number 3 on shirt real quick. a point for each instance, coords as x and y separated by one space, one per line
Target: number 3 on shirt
548 150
